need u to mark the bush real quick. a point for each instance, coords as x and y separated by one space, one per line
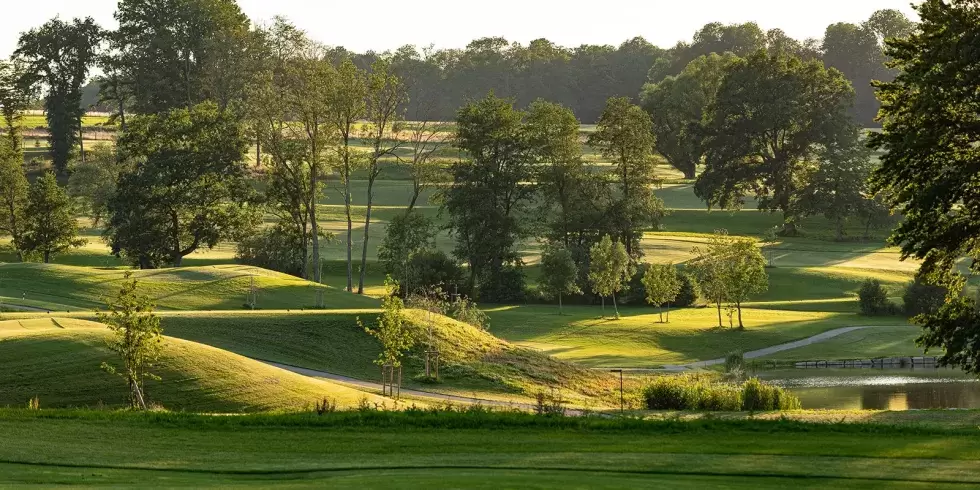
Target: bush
466 311
923 298
873 299
759 396
698 393
503 285
690 294
432 269
275 248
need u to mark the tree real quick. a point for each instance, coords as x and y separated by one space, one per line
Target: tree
764 146
490 190
94 182
58 55
188 190
929 170
553 132
50 227
385 97
838 188
609 270
677 106
14 99
744 271
623 135
708 267
662 285
559 273
13 194
175 54
347 105
136 338
395 335
405 236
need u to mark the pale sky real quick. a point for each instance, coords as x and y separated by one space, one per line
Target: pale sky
387 24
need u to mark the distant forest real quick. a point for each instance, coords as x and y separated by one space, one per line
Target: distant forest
583 78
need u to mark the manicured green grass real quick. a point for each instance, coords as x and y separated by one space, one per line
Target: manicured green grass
60 287
888 341
341 451
58 361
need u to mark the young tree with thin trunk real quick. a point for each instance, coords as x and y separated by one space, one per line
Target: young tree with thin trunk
385 96
709 270
136 338
559 273
395 335
347 105
662 286
13 194
50 226
745 272
609 270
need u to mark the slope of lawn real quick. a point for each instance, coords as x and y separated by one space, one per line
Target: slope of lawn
222 287
373 451
869 343
58 361
473 362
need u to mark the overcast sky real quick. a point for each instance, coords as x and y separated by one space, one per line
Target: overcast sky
387 24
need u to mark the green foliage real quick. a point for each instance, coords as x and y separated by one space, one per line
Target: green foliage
689 293
661 285
94 181
13 192
504 284
406 236
760 396
489 191
677 107
465 310
609 268
623 135
873 299
276 248
14 100
59 55
757 147
839 189
559 272
692 393
395 335
429 269
922 298
189 191
730 270
49 226
137 338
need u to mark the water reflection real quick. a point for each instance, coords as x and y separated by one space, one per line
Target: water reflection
880 389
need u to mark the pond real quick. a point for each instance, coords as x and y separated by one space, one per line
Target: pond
879 389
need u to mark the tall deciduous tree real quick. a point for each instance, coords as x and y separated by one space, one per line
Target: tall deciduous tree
385 97
839 187
179 53
559 272
677 107
94 182
490 190
623 135
13 194
662 285
59 55
50 227
14 99
347 105
609 269
553 132
931 167
188 189
136 338
765 146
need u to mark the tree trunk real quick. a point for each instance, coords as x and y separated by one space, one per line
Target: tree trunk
314 225
122 114
47 256
350 229
690 174
661 314
367 227
720 325
615 308
668 312
81 141
559 304
738 306
258 149
603 299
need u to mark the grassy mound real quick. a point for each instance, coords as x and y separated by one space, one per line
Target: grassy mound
473 361
221 287
58 361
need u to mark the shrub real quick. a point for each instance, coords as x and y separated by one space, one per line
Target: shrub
466 311
873 299
275 248
433 269
503 285
690 294
699 393
759 396
923 298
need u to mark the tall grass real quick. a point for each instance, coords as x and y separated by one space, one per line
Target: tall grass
695 392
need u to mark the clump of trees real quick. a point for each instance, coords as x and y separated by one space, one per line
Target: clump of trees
729 270
661 285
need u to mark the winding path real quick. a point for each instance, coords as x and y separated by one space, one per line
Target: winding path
821 337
